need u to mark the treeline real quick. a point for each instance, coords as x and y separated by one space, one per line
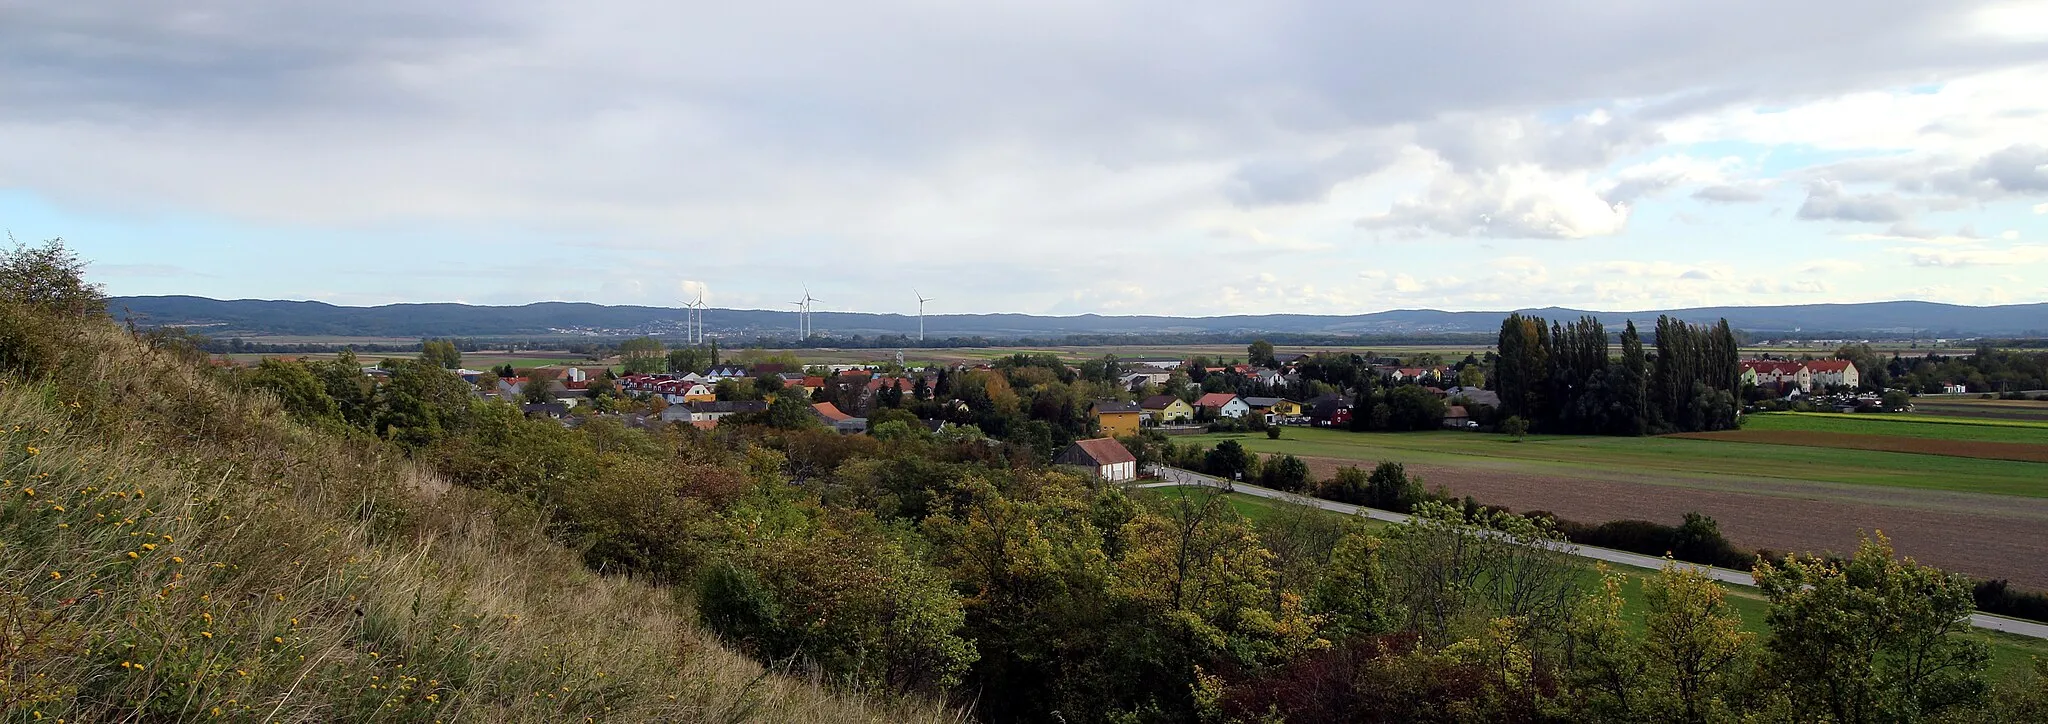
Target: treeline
1564 377
1987 370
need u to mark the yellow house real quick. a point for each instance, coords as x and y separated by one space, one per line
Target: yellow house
1167 409
1274 405
1116 419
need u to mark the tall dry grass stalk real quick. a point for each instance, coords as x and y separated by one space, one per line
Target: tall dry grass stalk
171 548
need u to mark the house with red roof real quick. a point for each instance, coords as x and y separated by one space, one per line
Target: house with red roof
1777 375
1223 404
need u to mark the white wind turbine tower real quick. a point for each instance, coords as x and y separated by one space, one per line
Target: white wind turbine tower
921 299
810 326
697 336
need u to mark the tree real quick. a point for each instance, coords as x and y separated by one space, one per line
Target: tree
1873 638
49 277
791 412
538 388
1389 488
1896 400
1352 594
1260 354
1349 485
1228 460
688 360
1694 644
421 403
1414 408
441 353
1472 375
1285 472
643 355
303 395
1515 427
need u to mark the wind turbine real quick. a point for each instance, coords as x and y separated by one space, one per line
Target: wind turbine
803 320
698 336
921 299
810 327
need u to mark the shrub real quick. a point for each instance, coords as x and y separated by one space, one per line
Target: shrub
1997 596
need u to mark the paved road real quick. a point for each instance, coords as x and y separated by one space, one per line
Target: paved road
1175 476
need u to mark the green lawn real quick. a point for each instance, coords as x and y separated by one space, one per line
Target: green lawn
2010 654
1596 456
1924 426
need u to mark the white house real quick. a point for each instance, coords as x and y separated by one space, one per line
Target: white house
1224 404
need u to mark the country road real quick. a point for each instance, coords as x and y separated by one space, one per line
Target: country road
1177 477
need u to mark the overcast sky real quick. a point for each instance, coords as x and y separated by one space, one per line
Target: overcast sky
1184 157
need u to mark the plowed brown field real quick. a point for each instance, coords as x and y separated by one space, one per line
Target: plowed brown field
1987 536
1885 443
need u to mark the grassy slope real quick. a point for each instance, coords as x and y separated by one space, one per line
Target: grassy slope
199 556
1569 455
1936 428
2010 654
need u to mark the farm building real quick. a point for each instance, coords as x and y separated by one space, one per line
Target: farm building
1105 456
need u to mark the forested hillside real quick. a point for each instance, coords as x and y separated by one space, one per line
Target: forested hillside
294 541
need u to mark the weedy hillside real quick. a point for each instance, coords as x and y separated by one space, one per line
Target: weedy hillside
173 548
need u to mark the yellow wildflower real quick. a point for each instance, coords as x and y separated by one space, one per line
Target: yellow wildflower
55 576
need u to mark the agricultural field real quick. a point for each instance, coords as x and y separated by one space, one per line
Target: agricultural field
1985 517
2010 653
1978 408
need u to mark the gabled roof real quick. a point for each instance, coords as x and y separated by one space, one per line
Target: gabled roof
1105 451
1456 411
1215 399
830 412
1261 402
1830 365
1158 402
1106 407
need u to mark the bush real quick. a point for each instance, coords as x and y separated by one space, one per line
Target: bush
1997 596
1697 540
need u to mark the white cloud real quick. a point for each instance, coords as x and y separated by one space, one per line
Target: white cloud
1515 202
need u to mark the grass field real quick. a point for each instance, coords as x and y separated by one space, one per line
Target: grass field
1981 409
2010 654
471 360
1583 455
1927 426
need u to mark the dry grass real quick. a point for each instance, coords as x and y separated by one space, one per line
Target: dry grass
170 549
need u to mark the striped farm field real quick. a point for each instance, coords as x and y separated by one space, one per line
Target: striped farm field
2024 452
1970 429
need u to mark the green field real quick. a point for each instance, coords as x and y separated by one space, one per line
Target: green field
1591 456
1974 429
2011 654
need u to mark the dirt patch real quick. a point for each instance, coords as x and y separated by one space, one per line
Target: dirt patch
2020 451
1985 536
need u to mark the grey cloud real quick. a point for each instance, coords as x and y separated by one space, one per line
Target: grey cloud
2019 169
1825 201
1729 194
1287 180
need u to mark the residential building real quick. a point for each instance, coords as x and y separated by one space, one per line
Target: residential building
1474 396
1167 409
830 413
1778 375
1106 457
1457 417
1834 373
1116 419
695 412
1330 411
1223 404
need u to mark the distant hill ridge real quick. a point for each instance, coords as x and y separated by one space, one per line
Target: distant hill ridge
251 317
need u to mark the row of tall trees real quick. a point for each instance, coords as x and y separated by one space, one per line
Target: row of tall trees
1565 377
